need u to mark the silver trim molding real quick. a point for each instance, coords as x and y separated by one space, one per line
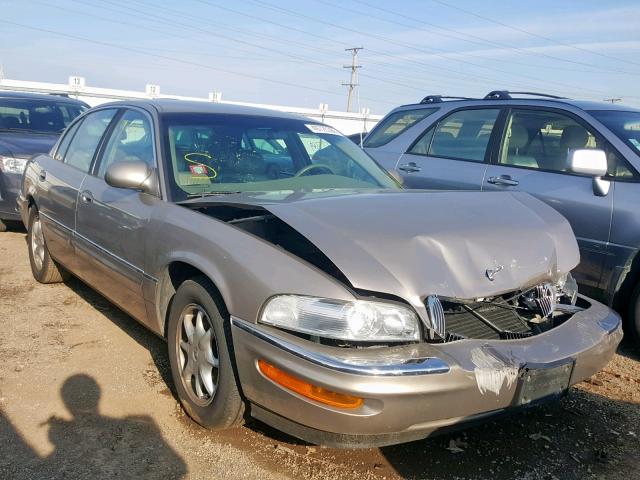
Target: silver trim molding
418 366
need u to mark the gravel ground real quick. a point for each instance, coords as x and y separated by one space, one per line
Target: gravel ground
85 392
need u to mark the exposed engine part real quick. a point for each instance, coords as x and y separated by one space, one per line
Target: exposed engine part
514 315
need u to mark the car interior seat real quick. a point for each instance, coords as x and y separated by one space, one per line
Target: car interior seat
518 141
574 137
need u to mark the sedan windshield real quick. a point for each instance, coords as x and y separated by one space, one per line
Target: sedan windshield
212 153
37 116
625 125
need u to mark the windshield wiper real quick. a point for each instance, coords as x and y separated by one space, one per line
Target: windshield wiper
211 194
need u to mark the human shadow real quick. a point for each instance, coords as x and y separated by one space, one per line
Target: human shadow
92 445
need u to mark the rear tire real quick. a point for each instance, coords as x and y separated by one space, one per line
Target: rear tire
200 354
43 267
633 317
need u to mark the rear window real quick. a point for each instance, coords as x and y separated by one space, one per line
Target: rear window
394 124
39 116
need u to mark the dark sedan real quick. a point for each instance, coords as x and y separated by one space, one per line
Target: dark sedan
29 124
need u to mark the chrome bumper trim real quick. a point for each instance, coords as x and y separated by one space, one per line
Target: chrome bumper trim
419 366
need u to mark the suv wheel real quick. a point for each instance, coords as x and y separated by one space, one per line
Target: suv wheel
43 267
200 354
633 320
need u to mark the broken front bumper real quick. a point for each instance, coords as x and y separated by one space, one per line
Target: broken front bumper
416 390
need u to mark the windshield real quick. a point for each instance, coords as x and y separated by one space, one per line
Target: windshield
625 125
212 153
39 116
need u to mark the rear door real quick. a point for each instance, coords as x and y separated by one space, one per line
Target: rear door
452 154
60 178
111 222
533 158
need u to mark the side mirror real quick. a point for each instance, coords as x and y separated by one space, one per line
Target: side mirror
594 163
133 176
588 162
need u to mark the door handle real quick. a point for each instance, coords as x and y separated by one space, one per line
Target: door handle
409 167
86 197
42 175
505 180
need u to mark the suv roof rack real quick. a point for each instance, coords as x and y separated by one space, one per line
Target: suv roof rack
440 98
507 95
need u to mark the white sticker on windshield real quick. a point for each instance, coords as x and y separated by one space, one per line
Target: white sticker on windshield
319 128
635 143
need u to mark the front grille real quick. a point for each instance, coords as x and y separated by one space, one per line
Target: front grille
496 320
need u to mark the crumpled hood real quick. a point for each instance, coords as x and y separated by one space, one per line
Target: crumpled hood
24 145
413 244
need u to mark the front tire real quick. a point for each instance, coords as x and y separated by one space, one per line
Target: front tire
3 226
200 354
633 318
43 267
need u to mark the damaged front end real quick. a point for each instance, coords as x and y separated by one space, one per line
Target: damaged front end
518 314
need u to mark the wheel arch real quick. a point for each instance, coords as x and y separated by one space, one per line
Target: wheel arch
172 276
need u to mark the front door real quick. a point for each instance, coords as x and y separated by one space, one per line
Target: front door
453 154
111 222
533 158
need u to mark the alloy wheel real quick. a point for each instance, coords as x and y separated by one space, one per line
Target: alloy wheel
198 354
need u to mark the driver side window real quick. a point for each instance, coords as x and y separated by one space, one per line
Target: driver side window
131 140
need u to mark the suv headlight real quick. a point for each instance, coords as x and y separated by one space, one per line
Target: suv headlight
12 165
357 320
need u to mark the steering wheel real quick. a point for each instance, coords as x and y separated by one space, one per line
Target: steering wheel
308 168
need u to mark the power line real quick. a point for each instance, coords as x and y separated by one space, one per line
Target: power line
165 57
532 34
477 39
353 82
412 47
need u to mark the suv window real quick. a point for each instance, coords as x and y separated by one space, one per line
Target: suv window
84 143
131 140
42 116
463 135
542 139
396 123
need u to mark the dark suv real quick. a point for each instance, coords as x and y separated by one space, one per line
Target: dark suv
29 124
582 158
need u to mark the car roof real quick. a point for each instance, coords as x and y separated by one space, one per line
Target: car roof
581 104
39 96
168 106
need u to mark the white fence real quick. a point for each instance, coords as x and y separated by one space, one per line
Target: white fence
346 122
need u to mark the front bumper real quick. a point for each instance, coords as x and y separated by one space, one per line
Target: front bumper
410 391
10 184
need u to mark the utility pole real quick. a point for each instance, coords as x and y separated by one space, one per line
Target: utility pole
612 100
353 83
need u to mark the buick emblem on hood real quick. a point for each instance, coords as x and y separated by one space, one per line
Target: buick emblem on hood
491 272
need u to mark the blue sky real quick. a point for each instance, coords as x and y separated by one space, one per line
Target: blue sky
292 52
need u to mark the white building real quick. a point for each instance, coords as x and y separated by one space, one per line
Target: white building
346 122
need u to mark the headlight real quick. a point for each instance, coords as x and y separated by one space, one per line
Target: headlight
12 165
358 320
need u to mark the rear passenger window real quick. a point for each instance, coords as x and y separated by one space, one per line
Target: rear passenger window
463 135
66 140
84 143
396 123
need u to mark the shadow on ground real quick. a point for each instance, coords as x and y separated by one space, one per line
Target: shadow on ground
90 445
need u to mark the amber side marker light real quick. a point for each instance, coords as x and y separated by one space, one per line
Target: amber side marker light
308 390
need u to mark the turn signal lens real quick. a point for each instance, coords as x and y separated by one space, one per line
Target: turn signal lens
308 390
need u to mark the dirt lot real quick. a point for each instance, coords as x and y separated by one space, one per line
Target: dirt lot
85 392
